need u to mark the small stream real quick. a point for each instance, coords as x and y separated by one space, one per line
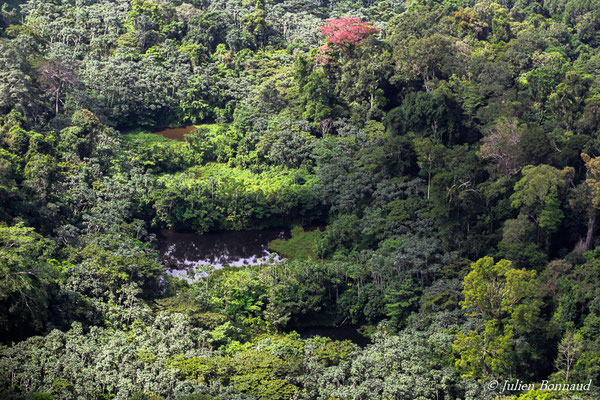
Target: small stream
184 251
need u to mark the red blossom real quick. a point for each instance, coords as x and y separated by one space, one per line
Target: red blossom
343 31
323 59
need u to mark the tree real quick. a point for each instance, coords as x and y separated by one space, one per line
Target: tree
26 280
520 243
487 354
569 98
102 362
400 300
148 18
506 299
432 114
403 366
257 24
131 90
497 291
537 195
347 32
502 146
313 90
592 184
429 156
550 71
569 351
17 82
429 59
57 77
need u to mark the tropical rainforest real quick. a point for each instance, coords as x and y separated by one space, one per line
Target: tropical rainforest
448 149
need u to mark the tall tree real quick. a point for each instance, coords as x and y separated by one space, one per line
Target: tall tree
592 184
537 195
506 299
57 76
18 88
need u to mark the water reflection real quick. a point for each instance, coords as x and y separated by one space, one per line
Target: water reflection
188 251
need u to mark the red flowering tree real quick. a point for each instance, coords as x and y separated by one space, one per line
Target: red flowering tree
342 32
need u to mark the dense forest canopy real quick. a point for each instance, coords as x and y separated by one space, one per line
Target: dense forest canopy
451 148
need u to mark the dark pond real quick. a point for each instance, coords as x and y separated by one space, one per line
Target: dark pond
183 251
175 133
346 332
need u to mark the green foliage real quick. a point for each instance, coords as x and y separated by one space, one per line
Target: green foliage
487 354
102 362
507 300
537 195
497 291
301 246
329 352
539 395
26 281
401 299
340 237
216 196
406 365
427 114
461 130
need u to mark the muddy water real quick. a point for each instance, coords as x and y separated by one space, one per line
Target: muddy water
175 133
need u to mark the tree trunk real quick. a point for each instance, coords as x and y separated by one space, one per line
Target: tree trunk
590 232
428 183
57 97
56 102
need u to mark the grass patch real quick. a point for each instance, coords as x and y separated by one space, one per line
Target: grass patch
144 136
301 246
213 129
